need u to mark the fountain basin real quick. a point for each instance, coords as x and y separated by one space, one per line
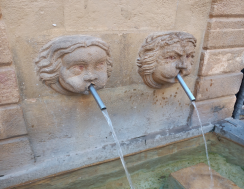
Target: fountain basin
152 168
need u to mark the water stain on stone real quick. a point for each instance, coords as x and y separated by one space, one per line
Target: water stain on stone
217 108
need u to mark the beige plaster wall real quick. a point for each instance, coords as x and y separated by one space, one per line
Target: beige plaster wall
59 125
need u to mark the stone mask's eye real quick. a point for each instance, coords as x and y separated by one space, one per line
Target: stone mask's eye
81 67
190 56
171 57
100 64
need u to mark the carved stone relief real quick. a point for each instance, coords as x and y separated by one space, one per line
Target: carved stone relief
69 64
163 55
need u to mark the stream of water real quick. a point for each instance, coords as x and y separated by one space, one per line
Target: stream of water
206 147
105 113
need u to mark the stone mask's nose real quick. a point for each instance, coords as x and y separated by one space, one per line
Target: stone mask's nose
90 77
182 63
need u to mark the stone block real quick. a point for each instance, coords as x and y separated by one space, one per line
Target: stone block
221 61
213 110
198 177
225 23
119 15
11 122
218 85
227 38
27 17
15 153
5 57
8 86
227 8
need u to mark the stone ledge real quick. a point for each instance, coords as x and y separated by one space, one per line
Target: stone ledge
11 122
221 61
15 153
218 86
232 129
8 86
213 110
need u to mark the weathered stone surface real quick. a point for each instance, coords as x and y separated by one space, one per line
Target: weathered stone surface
218 85
227 8
225 23
15 153
37 16
191 15
218 39
198 177
119 15
11 121
213 110
8 86
5 55
221 61
60 125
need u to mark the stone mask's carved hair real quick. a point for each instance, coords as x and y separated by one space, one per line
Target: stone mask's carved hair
50 56
151 48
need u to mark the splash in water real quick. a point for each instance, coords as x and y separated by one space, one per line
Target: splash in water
206 147
105 113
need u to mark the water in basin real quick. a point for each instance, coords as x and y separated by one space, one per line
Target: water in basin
151 169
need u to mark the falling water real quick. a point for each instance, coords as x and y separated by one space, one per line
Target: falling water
206 147
105 113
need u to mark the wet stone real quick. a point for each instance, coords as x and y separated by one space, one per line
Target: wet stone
198 176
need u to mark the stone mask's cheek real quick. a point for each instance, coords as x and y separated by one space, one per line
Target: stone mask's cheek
168 70
70 81
101 81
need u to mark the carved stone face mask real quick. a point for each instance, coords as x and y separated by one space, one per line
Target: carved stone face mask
164 55
69 64
83 67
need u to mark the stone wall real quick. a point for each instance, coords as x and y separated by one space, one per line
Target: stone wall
14 144
221 61
68 132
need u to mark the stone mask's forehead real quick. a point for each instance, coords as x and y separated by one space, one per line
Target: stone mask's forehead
180 48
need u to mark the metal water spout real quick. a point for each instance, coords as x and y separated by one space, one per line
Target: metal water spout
97 97
185 87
